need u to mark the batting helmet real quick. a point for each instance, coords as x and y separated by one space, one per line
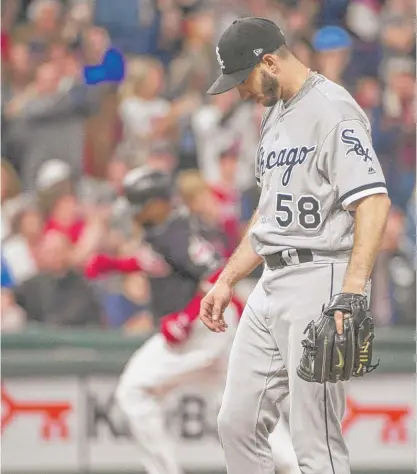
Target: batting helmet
143 184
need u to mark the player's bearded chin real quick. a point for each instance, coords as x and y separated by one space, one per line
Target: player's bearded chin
270 88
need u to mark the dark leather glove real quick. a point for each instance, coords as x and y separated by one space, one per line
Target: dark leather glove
330 357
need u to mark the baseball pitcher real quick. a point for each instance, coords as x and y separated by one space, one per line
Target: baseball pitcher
306 328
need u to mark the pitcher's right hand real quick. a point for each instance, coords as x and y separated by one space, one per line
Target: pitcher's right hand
213 306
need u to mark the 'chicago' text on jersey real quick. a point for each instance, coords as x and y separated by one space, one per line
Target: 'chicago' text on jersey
287 157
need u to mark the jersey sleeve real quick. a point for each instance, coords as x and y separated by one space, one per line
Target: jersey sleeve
189 253
349 162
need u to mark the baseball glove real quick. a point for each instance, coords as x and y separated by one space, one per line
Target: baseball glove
330 357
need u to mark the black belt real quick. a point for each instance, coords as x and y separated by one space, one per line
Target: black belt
288 257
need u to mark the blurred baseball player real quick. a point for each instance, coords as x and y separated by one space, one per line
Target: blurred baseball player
318 229
183 348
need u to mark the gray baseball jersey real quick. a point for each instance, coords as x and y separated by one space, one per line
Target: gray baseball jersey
315 159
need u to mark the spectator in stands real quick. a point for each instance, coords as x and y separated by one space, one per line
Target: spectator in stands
226 185
363 19
50 123
97 191
58 53
228 196
77 21
67 64
399 108
193 70
9 12
58 295
11 199
205 207
399 95
43 27
94 43
191 73
368 94
162 157
196 194
148 119
223 120
142 108
398 37
84 223
101 133
126 297
59 201
298 24
332 45
21 250
17 72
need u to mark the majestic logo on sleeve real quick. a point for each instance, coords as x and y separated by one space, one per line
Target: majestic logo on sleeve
355 145
219 59
287 157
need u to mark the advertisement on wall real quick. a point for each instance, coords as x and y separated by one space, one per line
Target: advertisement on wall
72 423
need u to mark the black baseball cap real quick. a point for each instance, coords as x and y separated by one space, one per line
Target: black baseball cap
241 47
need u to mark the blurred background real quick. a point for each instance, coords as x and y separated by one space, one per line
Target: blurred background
66 148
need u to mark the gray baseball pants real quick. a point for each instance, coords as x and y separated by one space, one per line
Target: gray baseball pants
262 373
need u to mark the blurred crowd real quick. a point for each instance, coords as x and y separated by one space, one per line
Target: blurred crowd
66 146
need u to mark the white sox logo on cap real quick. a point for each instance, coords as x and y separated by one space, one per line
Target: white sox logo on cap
219 59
